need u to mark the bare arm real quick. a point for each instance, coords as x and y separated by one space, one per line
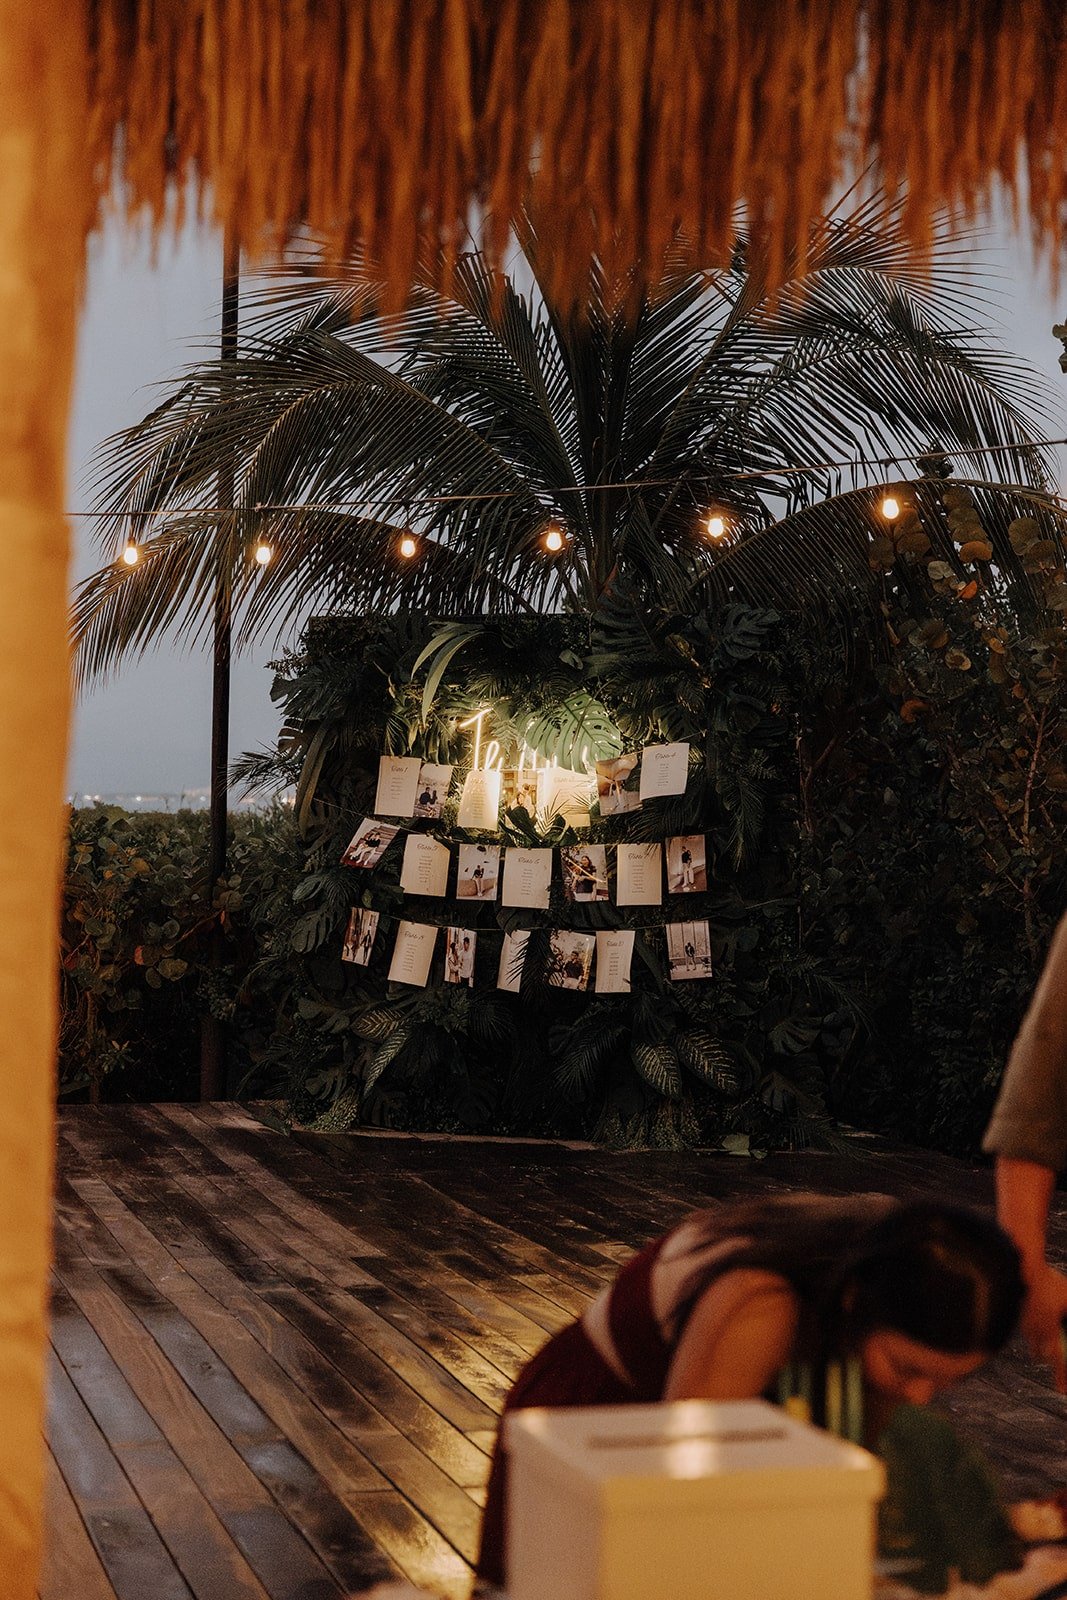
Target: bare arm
1028 1136
738 1336
1024 1189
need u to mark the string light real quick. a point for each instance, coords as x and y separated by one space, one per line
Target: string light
131 555
408 546
891 508
715 525
553 539
263 554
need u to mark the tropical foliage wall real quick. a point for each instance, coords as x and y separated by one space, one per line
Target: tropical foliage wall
874 706
884 815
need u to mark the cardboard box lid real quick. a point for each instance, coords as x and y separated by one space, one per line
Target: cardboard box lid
691 1452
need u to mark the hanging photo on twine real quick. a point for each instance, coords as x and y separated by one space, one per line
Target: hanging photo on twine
369 843
432 789
687 867
359 936
460 945
616 787
570 959
479 872
585 872
689 950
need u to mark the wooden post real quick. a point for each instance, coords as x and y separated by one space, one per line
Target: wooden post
43 198
212 1036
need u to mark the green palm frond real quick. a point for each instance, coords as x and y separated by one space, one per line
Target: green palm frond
478 415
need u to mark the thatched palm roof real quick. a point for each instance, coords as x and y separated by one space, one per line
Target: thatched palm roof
383 121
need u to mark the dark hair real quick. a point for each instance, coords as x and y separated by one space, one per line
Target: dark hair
947 1277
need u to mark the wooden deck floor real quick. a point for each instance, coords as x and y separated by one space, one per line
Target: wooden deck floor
277 1363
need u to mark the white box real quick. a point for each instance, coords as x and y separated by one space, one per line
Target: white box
693 1500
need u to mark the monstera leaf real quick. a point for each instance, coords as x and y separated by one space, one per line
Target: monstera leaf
575 733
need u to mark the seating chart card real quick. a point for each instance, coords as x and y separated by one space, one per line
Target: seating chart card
639 875
527 878
614 954
398 786
664 769
512 959
425 866
479 805
412 954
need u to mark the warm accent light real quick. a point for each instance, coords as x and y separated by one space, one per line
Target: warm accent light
131 555
553 538
408 547
263 554
715 526
891 508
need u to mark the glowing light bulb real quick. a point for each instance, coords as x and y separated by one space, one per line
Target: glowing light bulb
408 546
263 554
891 508
553 538
715 525
131 555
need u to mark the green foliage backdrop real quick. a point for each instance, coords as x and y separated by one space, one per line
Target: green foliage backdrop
884 823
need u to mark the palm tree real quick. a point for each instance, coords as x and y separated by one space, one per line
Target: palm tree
483 414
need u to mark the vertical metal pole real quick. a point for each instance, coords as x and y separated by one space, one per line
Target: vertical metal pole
212 1037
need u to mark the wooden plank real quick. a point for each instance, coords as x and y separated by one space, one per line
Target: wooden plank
281 1561
319 1513
71 1566
129 1548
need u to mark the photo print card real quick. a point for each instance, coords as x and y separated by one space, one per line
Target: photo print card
432 789
614 954
412 954
664 769
369 843
689 950
512 960
479 872
398 786
639 875
520 789
360 935
565 794
570 959
687 866
425 866
585 872
460 945
616 785
479 804
527 878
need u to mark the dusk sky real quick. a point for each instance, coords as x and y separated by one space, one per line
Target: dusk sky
147 729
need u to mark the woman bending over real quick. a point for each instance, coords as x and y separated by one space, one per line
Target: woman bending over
758 1298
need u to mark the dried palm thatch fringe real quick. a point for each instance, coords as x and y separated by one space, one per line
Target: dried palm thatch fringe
391 123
